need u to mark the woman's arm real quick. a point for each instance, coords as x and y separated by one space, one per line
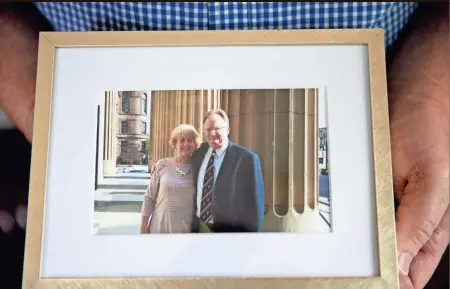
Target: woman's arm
150 197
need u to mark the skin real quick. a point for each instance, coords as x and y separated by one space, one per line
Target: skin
216 139
184 147
18 59
419 119
419 115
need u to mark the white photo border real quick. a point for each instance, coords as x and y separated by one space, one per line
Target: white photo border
82 75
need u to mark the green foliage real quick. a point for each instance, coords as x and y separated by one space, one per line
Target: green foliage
147 146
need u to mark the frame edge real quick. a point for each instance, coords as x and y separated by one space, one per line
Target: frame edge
211 37
382 159
38 169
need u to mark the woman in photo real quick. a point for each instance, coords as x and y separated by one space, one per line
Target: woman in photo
169 201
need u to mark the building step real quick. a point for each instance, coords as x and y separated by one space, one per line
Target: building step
122 186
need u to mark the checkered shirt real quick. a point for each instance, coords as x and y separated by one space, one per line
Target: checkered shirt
122 16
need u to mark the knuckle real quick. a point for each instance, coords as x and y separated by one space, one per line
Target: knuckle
437 244
423 232
440 238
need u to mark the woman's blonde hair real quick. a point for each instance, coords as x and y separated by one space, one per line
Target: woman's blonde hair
184 130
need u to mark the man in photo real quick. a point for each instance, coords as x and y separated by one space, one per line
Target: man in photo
229 182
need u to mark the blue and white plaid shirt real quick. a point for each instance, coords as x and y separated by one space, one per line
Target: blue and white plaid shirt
121 16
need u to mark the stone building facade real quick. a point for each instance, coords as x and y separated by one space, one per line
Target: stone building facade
323 150
126 127
132 127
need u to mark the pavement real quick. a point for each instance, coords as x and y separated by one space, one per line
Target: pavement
324 210
123 218
119 195
129 187
117 223
124 180
128 183
128 176
119 198
118 201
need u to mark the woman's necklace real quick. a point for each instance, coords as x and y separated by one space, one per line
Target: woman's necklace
180 171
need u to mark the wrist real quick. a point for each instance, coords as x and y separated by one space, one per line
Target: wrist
419 73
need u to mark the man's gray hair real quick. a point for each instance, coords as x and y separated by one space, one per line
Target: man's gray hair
219 112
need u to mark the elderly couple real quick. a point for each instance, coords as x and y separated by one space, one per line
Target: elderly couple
216 186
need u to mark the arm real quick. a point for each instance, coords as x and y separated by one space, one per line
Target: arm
254 207
419 119
19 28
150 197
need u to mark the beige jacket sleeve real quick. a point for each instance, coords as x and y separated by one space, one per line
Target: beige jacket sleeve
151 193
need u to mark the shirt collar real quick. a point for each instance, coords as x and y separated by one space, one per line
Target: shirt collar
220 151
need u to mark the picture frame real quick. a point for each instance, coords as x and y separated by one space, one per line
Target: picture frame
55 51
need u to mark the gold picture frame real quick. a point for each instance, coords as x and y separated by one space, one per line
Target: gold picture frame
385 218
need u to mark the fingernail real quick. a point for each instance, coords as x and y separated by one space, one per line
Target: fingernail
404 260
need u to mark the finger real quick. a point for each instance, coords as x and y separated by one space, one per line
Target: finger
405 282
420 211
428 258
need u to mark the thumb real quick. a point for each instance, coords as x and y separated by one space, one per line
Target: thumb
420 211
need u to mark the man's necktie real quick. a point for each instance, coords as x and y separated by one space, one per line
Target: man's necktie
208 186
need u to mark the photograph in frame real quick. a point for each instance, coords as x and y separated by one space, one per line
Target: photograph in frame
118 110
155 151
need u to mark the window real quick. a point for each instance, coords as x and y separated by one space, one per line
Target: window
144 146
144 104
123 146
124 127
143 127
125 104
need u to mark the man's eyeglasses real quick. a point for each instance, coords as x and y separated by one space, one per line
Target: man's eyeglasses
216 129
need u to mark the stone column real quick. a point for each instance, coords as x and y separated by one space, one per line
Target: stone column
281 126
156 126
251 125
173 108
153 119
304 149
109 133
